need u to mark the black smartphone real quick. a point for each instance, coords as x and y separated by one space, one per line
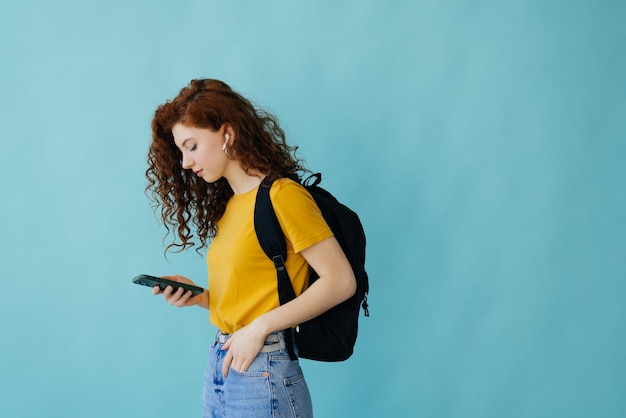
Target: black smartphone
151 281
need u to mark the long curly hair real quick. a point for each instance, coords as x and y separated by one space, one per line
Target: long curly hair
187 202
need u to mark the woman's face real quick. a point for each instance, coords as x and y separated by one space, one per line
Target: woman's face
202 151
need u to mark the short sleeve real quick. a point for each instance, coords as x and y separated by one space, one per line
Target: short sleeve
298 215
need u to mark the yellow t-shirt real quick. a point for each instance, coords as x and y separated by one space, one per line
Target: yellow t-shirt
242 279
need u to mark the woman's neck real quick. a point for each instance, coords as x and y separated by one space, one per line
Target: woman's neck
242 182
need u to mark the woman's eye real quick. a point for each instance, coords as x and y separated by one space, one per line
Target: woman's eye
192 148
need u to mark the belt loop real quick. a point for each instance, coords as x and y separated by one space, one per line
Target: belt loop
281 339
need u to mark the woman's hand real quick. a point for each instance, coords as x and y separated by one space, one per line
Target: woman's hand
243 347
180 298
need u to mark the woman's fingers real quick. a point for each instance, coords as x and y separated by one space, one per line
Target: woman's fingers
227 361
176 298
182 300
241 349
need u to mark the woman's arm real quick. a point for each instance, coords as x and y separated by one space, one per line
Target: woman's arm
336 284
181 298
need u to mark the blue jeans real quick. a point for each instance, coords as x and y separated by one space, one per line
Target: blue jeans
273 386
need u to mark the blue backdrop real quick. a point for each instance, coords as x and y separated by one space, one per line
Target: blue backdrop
481 142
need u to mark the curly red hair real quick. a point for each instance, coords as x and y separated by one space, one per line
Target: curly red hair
186 201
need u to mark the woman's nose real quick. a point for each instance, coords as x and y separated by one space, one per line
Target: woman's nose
187 162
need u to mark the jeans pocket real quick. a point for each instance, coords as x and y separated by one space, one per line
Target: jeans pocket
247 394
299 396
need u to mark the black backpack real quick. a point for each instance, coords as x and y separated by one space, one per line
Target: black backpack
332 335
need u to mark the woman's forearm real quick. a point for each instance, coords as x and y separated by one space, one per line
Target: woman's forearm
317 299
335 284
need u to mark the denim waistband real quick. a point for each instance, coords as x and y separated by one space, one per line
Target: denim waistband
274 342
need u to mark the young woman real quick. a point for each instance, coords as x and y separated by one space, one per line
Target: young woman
210 150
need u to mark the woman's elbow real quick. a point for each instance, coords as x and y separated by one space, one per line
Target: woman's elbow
349 288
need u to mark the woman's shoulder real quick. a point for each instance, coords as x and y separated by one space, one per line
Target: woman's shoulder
286 190
286 185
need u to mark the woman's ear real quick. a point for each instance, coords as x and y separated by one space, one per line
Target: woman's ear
229 132
228 135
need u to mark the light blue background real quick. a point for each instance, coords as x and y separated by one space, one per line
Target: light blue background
481 142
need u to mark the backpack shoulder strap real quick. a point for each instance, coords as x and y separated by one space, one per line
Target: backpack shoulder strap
272 241
266 225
